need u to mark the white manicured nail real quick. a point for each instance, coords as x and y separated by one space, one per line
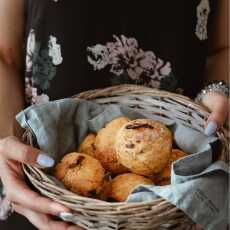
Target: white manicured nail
66 215
211 128
45 161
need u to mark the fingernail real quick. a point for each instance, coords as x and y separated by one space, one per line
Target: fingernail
211 128
58 208
45 161
65 215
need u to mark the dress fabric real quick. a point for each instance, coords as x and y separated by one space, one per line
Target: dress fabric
72 46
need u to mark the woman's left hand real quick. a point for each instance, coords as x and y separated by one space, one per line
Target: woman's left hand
219 106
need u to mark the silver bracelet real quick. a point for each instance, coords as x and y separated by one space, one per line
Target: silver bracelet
218 87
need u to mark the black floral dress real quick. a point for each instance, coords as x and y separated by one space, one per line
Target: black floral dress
72 46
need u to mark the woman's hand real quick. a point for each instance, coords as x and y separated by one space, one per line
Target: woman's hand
26 202
219 107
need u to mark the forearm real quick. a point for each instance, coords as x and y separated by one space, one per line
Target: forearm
217 67
11 99
12 24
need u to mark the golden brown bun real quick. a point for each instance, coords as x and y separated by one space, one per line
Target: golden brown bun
105 191
87 146
123 185
81 173
163 178
104 144
144 146
164 182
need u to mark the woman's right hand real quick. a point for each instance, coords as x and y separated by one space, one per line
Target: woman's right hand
35 208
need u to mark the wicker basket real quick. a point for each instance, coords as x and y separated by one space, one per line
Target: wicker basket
158 214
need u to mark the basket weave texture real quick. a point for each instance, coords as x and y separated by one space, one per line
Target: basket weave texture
158 214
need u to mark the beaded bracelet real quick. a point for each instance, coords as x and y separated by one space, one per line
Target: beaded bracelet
217 86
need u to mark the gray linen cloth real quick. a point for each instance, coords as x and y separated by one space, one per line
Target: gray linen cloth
199 186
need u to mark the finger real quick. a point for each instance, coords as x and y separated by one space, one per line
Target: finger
12 148
215 120
29 199
214 100
218 115
218 104
42 221
198 227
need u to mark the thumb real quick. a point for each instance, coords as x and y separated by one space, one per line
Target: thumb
12 148
215 120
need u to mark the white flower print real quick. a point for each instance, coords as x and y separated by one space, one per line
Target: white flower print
101 57
41 67
166 69
135 73
203 10
30 50
32 95
55 51
148 60
39 99
124 56
154 84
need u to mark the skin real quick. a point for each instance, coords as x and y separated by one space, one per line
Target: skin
12 152
217 67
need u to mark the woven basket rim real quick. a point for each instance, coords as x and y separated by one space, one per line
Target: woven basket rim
149 90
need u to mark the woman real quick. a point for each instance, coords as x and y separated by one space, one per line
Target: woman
65 47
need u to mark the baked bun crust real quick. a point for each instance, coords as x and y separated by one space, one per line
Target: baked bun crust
81 174
87 146
164 177
123 185
144 146
104 144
